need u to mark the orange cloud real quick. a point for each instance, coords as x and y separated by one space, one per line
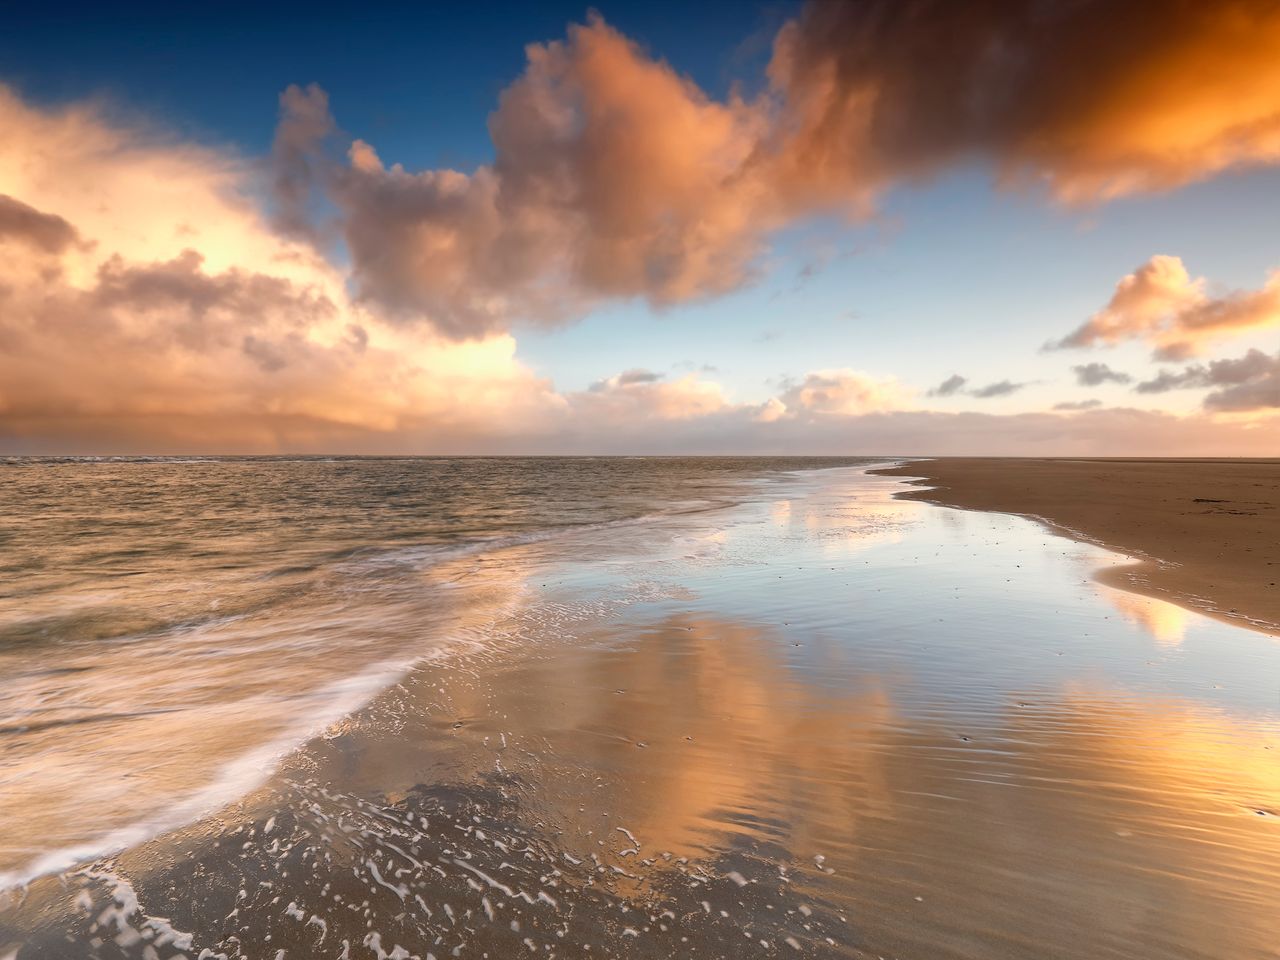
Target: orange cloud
1094 100
615 177
1161 304
27 226
144 299
842 393
641 395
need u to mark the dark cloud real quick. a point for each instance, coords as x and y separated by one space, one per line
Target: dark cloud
46 232
1167 380
1260 394
1096 374
297 164
1094 98
956 385
1001 388
638 376
626 378
1078 405
1216 373
1250 382
949 387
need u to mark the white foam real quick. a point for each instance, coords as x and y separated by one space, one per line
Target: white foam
232 781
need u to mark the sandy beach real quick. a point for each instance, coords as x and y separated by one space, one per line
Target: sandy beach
1206 532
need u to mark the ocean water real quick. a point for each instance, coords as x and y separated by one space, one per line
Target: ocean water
169 626
622 708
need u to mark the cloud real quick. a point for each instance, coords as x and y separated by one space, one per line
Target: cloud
955 385
640 395
841 392
1001 388
304 124
751 429
45 232
614 177
160 309
148 302
1094 100
771 411
1096 374
1161 304
626 379
1070 405
1260 394
1247 383
949 387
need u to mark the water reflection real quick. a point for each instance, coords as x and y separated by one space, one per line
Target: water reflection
1166 622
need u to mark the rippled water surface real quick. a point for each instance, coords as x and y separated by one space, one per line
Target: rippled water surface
615 708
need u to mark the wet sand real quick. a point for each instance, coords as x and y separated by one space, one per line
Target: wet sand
1207 532
825 723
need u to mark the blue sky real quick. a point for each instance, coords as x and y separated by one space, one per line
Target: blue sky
418 79
959 278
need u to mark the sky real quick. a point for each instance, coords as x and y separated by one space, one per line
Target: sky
898 228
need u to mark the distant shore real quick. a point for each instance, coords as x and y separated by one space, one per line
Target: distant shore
1206 533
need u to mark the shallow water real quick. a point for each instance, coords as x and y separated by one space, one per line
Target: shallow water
169 626
816 719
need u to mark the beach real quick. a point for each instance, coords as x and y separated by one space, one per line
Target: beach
811 720
1206 533
547 481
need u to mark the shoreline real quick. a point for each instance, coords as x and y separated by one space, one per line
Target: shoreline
1203 534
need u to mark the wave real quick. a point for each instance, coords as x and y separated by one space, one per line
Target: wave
233 781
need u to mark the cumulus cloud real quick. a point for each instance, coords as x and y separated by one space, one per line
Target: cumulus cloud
841 392
1096 374
615 177
1161 304
640 395
1247 383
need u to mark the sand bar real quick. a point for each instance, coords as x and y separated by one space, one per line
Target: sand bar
1209 529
